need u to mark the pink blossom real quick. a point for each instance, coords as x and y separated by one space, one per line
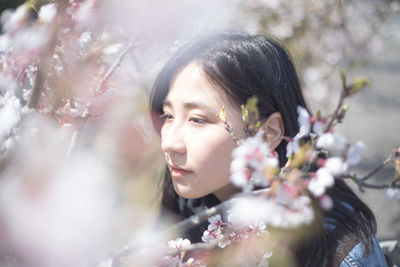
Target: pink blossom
215 222
326 202
213 232
249 161
258 227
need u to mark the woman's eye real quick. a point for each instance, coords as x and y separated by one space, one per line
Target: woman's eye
165 116
198 120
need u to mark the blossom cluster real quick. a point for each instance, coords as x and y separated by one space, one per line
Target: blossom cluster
57 63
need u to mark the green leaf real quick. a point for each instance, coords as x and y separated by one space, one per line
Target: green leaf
358 84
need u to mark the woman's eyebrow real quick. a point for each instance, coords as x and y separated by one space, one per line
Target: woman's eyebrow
189 105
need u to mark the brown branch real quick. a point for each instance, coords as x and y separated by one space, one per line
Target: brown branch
199 217
204 215
362 184
45 56
336 112
360 181
377 169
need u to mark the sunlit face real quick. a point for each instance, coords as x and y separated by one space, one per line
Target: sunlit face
196 145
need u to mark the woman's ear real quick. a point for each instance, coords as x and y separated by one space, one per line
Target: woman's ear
273 129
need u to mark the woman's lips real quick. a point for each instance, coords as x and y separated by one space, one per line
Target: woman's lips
178 173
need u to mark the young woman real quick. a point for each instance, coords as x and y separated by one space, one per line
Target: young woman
224 69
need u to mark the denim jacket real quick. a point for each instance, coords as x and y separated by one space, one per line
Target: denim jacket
355 257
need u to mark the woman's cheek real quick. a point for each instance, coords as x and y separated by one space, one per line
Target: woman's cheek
216 156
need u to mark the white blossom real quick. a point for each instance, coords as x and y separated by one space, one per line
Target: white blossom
318 127
214 231
178 243
11 112
393 193
47 13
215 222
85 37
248 162
251 211
323 179
112 49
334 165
354 152
16 19
331 141
292 147
304 121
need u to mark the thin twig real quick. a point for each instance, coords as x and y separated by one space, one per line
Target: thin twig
336 113
86 113
114 66
377 169
204 215
362 184
199 217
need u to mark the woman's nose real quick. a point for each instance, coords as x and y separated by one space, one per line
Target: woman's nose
172 141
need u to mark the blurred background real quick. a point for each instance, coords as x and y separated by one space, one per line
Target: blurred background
79 160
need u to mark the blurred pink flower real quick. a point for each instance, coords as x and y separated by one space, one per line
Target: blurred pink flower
213 232
249 160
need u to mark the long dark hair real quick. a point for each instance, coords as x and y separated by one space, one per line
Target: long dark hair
242 66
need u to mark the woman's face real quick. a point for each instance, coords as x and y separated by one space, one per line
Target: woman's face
196 145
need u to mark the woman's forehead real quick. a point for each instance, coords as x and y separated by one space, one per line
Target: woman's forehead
192 87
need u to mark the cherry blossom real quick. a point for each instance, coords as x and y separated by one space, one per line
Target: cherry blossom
47 13
322 180
251 211
353 155
214 231
178 243
334 165
326 202
259 228
306 122
331 141
393 193
292 146
249 160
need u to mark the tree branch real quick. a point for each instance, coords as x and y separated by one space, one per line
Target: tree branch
362 184
46 55
86 113
377 169
114 66
336 112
